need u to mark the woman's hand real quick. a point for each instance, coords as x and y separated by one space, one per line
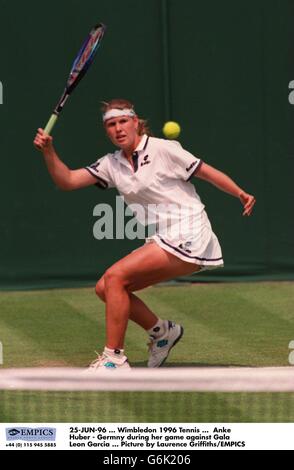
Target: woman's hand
43 141
248 202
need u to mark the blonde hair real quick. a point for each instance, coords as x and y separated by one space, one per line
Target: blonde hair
119 103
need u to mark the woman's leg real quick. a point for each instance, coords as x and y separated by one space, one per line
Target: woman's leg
140 313
146 266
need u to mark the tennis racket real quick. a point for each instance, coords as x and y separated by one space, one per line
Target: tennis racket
79 67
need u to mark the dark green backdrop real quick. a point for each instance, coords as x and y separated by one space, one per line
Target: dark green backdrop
221 69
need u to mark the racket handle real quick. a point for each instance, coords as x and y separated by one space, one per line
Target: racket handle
50 124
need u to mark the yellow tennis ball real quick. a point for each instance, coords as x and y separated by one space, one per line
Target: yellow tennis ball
171 130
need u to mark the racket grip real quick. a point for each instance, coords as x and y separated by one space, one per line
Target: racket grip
50 124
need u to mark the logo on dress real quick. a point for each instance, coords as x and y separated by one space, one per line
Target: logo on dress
145 160
95 165
191 166
185 246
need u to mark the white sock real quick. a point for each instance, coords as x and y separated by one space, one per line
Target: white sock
158 329
114 352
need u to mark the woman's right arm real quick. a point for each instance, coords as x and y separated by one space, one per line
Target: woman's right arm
64 178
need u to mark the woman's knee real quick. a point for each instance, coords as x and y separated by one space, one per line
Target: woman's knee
100 289
114 276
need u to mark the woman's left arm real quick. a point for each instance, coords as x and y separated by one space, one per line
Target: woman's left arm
226 184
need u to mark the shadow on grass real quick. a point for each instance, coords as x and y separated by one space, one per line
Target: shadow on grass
188 364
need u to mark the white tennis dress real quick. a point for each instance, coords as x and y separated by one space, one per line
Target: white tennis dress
158 189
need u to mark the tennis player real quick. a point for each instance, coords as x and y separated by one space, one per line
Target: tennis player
156 174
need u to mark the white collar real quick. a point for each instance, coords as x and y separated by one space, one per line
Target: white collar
142 144
140 147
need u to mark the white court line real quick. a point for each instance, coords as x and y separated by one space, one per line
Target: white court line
218 379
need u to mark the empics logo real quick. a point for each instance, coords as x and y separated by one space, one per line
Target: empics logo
1 93
30 434
13 432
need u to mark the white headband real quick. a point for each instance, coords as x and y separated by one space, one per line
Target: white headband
112 113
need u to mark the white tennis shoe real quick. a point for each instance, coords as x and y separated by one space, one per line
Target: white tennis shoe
107 362
159 348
